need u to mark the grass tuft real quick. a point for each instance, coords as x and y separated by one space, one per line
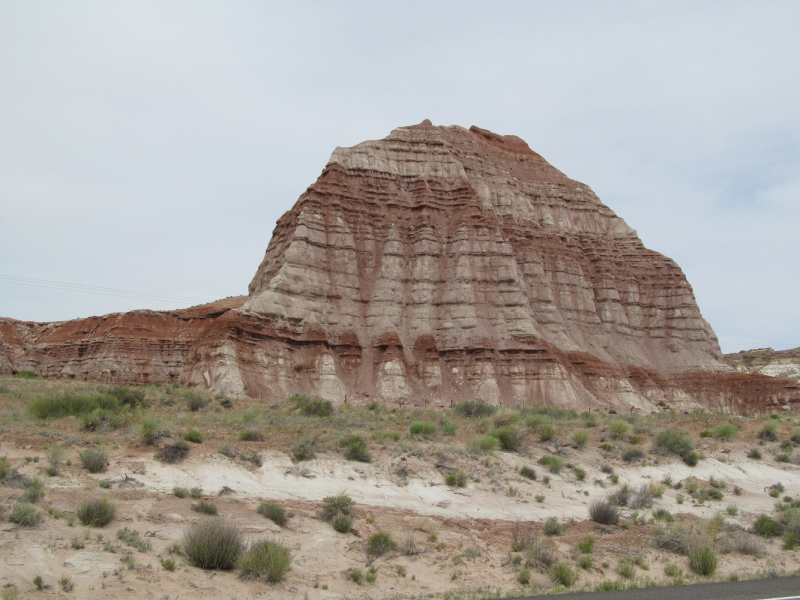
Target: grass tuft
212 544
265 560
96 513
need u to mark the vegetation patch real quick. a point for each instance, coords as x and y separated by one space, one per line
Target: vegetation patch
212 544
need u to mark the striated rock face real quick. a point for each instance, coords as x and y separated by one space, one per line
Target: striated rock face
766 361
436 265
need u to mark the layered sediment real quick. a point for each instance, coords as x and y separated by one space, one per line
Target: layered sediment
436 265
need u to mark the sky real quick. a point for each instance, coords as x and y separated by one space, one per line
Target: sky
148 148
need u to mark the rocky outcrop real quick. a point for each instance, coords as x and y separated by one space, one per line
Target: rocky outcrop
436 265
766 361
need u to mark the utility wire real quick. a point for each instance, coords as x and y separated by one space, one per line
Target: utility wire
91 289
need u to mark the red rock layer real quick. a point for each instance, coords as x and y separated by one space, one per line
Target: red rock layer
436 265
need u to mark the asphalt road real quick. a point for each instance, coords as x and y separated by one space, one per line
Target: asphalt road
755 589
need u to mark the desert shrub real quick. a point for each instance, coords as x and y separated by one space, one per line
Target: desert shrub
580 438
795 437
618 428
644 497
474 409
265 560
485 444
339 504
196 492
546 432
248 435
510 438
539 555
768 432
96 513
671 441
25 515
94 460
457 479
725 431
626 569
603 512
552 526
524 577
303 450
562 574
71 405
672 570
149 431
356 449
355 575
128 396
55 456
341 523
168 564
789 540
767 526
205 507
580 474
227 450
632 455
505 417
25 374
180 492
422 428
275 512
34 490
754 453
585 562
173 453
705 433
527 472
553 463
132 538
193 436
379 544
196 401
212 544
448 427
662 514
313 407
586 545
10 477
621 496
702 561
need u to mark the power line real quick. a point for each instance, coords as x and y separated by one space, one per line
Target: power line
103 291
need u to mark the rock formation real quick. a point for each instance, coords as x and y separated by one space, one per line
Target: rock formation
436 265
766 361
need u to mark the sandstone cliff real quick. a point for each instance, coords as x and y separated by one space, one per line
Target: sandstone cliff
766 361
436 265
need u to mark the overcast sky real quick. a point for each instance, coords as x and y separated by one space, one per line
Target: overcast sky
151 146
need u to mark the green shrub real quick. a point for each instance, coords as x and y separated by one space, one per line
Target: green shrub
527 472
356 449
212 544
457 479
341 523
754 453
379 544
274 512
312 407
193 436
585 562
25 515
449 427
25 374
767 526
580 438
355 575
552 526
149 429
674 442
586 545
96 513
173 453
562 574
524 577
34 490
702 561
168 564
510 438
180 492
691 458
546 433
132 538
705 433
248 435
72 405
580 474
128 396
196 401
486 444
726 431
304 450
553 463
632 455
205 507
769 432
265 560
603 512
789 540
618 428
334 505
422 428
474 409
94 460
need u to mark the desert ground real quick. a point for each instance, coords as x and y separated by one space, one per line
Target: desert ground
467 502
